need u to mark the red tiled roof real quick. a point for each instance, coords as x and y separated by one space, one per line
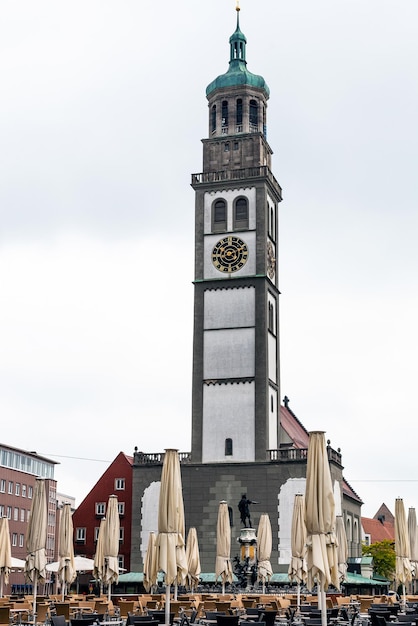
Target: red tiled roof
300 438
293 428
349 491
377 530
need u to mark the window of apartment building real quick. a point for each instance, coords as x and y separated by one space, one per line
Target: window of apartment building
3 485
22 515
23 491
30 491
21 540
96 533
10 490
121 508
121 534
1 510
100 508
14 539
9 512
16 514
121 561
17 489
119 483
80 535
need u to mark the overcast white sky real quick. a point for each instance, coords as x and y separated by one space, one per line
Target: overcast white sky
101 115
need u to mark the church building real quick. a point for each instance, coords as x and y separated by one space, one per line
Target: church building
243 440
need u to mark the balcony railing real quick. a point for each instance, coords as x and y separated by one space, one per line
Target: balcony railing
281 455
260 171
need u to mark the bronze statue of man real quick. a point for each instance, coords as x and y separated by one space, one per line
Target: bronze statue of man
244 509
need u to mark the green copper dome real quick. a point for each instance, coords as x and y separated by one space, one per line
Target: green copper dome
237 73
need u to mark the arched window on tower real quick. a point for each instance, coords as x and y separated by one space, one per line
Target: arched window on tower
253 116
239 116
224 117
228 447
213 120
219 216
240 214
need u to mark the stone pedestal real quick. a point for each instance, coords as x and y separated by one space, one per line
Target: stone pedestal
248 553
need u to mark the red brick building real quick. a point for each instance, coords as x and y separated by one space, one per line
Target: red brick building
116 480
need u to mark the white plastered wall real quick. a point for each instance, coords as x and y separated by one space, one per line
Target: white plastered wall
228 414
150 501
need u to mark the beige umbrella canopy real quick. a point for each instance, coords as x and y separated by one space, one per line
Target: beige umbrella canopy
223 546
171 554
5 553
193 558
413 539
264 547
342 548
81 564
403 571
150 563
297 567
66 570
320 521
35 567
111 543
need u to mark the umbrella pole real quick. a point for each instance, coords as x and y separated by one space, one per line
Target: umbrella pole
175 590
1 586
323 607
167 605
298 598
35 584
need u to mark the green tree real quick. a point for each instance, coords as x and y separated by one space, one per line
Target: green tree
384 557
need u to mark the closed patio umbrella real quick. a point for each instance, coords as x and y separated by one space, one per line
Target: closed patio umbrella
35 567
342 548
66 570
111 543
5 553
413 541
192 558
171 554
320 521
403 570
99 557
297 567
223 546
150 563
264 547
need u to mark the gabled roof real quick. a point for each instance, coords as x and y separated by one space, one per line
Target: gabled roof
299 436
384 513
293 428
378 530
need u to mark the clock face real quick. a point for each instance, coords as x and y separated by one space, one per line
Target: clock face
271 261
230 254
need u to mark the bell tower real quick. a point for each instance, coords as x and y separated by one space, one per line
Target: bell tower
236 378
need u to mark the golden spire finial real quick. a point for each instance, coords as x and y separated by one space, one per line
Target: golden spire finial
237 7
